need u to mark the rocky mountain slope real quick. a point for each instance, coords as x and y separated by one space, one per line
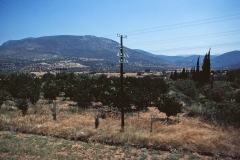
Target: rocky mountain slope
78 48
97 53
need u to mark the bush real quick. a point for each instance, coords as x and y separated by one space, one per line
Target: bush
234 85
217 94
169 105
194 111
22 105
237 97
96 122
224 112
187 87
183 97
230 96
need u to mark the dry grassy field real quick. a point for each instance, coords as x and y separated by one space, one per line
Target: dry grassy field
182 134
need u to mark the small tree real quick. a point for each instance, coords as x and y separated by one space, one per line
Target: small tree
51 91
22 104
175 75
83 92
4 95
169 105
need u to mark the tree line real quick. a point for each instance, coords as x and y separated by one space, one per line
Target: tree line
197 75
25 88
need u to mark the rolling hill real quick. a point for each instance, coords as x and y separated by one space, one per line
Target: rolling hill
77 48
227 60
97 53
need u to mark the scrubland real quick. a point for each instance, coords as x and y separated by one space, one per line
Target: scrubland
182 134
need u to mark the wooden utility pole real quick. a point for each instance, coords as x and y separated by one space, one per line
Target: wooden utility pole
121 55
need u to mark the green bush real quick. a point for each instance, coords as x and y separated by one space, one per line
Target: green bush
234 85
237 97
187 87
183 97
194 110
96 122
169 105
22 105
217 94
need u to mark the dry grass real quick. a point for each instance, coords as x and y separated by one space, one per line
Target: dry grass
189 134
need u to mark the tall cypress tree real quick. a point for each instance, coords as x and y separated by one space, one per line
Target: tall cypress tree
196 72
197 69
175 75
193 72
206 67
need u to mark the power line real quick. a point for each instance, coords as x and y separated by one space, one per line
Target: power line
182 25
195 47
184 38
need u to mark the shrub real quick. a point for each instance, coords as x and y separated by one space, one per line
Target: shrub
217 94
237 97
96 122
234 85
22 105
183 97
194 111
4 95
187 87
169 105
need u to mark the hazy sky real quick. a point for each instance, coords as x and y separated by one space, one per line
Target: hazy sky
169 27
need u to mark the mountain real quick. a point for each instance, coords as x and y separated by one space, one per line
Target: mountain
227 60
189 61
168 58
93 52
85 53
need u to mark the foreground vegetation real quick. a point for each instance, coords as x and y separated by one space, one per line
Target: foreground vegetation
27 146
198 116
182 134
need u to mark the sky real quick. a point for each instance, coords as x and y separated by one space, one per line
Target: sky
162 27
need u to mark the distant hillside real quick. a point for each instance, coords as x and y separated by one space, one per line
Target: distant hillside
168 58
184 61
227 60
189 61
96 53
79 48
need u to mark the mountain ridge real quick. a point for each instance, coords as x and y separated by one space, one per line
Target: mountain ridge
76 48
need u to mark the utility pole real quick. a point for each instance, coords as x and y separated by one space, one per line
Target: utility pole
121 55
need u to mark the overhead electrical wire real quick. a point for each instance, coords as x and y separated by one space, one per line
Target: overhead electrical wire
175 27
185 38
195 47
182 25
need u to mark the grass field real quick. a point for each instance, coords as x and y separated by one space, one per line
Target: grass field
166 141
28 146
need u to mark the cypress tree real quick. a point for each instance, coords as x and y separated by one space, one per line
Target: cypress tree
171 76
206 68
183 74
175 75
197 69
194 75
